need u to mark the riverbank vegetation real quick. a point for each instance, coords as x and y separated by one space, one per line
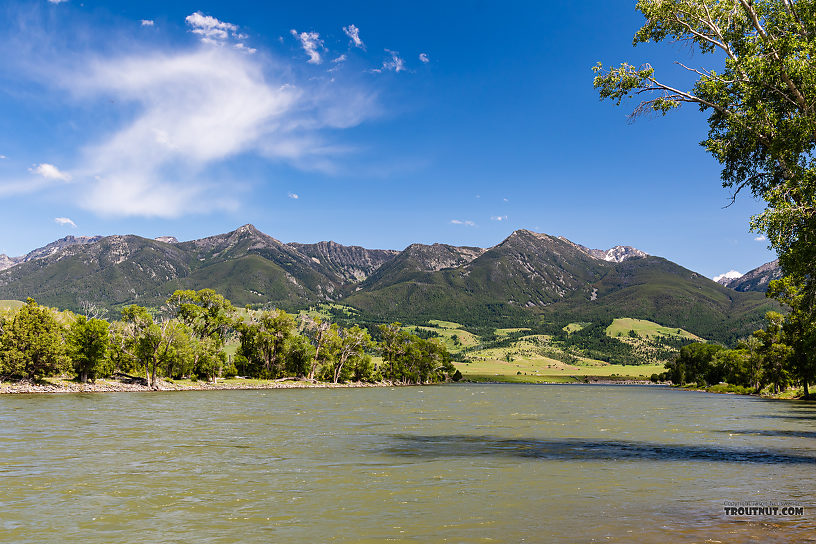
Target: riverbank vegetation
200 335
775 358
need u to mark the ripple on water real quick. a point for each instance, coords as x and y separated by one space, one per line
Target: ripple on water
464 463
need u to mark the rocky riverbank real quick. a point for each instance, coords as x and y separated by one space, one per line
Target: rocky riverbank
55 385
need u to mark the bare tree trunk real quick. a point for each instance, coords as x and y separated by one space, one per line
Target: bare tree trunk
339 367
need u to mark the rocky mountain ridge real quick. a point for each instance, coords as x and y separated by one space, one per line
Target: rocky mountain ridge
47 250
527 277
756 279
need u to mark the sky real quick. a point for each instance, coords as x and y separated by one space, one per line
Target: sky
378 124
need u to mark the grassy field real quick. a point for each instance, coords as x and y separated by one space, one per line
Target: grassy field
447 330
8 305
574 327
644 329
550 371
505 332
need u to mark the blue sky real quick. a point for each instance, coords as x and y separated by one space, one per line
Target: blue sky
370 123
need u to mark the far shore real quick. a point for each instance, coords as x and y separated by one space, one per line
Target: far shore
57 385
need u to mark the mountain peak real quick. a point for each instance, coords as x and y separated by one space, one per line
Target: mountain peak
753 280
616 254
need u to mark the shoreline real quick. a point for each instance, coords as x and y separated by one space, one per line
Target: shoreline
58 386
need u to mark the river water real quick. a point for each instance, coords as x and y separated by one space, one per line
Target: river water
453 463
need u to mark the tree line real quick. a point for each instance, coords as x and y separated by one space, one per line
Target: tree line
781 354
188 336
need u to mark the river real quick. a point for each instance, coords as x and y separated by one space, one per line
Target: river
451 463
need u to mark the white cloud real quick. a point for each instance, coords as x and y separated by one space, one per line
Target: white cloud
49 171
3 157
341 58
65 221
242 47
148 22
354 33
394 64
209 28
498 218
760 238
423 57
465 223
294 196
57 1
506 199
311 43
191 111
731 275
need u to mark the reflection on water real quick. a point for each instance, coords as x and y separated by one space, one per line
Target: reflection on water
459 463
578 449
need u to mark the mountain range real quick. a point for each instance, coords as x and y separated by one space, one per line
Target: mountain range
527 279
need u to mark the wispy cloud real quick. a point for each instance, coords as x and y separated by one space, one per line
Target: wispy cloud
196 109
354 33
294 196
393 64
148 22
3 157
180 116
56 1
423 58
460 222
498 218
49 171
760 238
64 221
311 43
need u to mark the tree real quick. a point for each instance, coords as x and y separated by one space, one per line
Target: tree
206 312
87 342
321 332
300 354
775 353
410 359
32 344
694 365
147 342
353 344
799 329
263 342
761 103
751 346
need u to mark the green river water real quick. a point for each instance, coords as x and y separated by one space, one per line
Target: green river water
452 463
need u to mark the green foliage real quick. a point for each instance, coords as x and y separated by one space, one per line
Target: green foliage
206 312
264 339
32 344
408 358
695 364
87 346
799 329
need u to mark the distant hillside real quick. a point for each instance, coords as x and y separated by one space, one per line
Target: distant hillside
529 279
